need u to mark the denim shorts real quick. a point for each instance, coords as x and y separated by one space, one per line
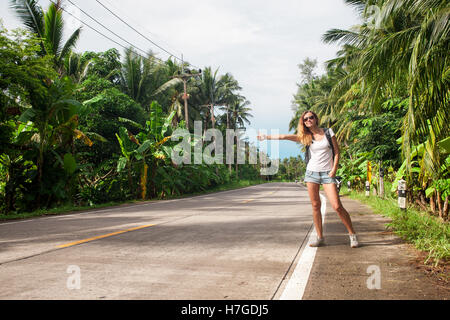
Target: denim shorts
319 177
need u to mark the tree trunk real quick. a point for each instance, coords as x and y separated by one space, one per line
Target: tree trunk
130 180
228 118
422 199
228 127
213 120
381 191
433 203
186 114
440 206
144 180
421 205
235 121
445 210
40 164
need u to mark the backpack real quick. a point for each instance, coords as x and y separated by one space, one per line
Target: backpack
328 136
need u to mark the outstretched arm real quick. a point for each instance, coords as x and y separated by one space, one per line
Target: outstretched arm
291 137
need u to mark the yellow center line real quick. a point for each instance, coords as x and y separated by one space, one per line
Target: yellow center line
249 200
103 236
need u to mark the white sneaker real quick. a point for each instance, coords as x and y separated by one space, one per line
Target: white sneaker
353 241
317 243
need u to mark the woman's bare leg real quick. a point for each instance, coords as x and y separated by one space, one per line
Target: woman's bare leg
313 191
333 197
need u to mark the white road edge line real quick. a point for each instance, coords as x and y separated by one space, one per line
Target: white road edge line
295 288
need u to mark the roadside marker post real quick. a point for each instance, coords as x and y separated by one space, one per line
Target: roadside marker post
402 194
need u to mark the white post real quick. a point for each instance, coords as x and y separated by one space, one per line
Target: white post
402 194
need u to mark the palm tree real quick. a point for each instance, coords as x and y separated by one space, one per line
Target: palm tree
228 87
49 26
136 76
409 46
176 93
143 78
76 68
207 94
227 92
240 114
403 57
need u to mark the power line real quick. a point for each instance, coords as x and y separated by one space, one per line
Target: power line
114 14
129 43
117 8
109 10
105 36
87 14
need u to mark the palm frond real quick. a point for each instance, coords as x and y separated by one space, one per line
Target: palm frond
70 44
31 14
53 32
169 84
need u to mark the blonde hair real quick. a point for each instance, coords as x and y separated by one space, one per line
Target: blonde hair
303 133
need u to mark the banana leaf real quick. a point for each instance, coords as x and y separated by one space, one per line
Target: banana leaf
444 145
70 164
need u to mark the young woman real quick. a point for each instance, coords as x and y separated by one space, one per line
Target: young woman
321 170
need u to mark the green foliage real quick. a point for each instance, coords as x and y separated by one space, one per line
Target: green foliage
101 116
389 80
73 128
70 164
22 70
48 26
105 65
291 169
103 191
39 116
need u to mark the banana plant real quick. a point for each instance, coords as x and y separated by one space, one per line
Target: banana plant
147 146
128 148
436 190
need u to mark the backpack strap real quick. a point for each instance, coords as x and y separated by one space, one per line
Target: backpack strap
330 141
307 155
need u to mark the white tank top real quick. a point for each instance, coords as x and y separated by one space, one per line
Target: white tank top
321 155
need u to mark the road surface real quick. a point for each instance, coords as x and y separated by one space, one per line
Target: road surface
238 244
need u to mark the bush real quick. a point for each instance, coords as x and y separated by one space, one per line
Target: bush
114 189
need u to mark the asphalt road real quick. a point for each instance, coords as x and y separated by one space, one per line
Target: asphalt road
240 244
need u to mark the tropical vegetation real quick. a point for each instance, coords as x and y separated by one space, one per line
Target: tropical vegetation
386 96
86 128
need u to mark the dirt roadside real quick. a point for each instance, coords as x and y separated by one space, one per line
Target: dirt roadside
384 267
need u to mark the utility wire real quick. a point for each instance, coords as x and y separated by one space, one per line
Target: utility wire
105 36
87 14
117 8
109 10
114 14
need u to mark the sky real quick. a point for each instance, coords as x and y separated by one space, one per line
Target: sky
259 42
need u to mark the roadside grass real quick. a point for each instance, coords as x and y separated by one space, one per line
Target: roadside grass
426 232
72 208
